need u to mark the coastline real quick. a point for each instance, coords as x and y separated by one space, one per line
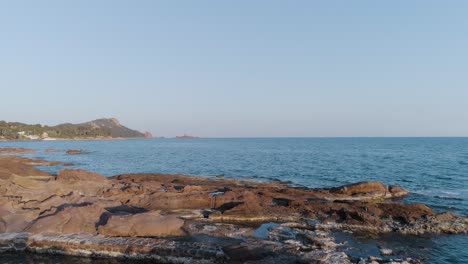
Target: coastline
206 220
71 139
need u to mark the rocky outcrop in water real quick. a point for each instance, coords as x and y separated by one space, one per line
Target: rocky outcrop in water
49 150
16 150
148 135
75 152
173 218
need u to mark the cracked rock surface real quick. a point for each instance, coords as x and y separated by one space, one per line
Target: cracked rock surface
179 218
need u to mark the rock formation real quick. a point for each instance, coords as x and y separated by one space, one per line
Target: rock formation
75 152
51 150
176 218
148 135
16 150
185 136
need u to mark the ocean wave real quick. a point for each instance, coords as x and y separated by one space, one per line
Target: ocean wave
449 198
445 195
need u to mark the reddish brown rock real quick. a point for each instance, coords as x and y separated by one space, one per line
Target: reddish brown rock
70 219
18 166
51 150
397 191
408 213
16 150
368 190
78 201
68 175
14 219
148 135
75 152
360 188
150 224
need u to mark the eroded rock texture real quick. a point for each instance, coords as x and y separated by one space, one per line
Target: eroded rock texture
175 218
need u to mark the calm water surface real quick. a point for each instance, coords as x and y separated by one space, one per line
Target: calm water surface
435 170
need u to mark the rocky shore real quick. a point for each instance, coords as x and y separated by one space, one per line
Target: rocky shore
186 219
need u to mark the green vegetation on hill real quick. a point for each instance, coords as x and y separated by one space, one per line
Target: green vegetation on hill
108 127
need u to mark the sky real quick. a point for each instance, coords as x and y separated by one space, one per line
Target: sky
239 68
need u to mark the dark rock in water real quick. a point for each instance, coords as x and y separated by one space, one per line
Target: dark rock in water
75 152
16 151
51 150
245 253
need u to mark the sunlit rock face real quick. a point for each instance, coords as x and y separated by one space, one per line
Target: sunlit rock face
174 218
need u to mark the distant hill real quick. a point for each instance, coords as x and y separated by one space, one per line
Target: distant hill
116 129
100 128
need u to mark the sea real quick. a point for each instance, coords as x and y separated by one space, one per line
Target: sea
434 170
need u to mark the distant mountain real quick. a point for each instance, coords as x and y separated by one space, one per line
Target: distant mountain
99 128
116 129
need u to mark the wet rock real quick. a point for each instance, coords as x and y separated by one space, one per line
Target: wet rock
196 228
198 217
446 223
75 152
140 249
386 251
245 253
13 241
16 151
51 150
405 213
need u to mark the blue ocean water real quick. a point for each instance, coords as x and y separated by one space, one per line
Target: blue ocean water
434 170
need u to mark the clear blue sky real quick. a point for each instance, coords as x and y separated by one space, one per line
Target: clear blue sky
239 68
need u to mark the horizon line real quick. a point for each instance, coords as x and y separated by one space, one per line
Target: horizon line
227 137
